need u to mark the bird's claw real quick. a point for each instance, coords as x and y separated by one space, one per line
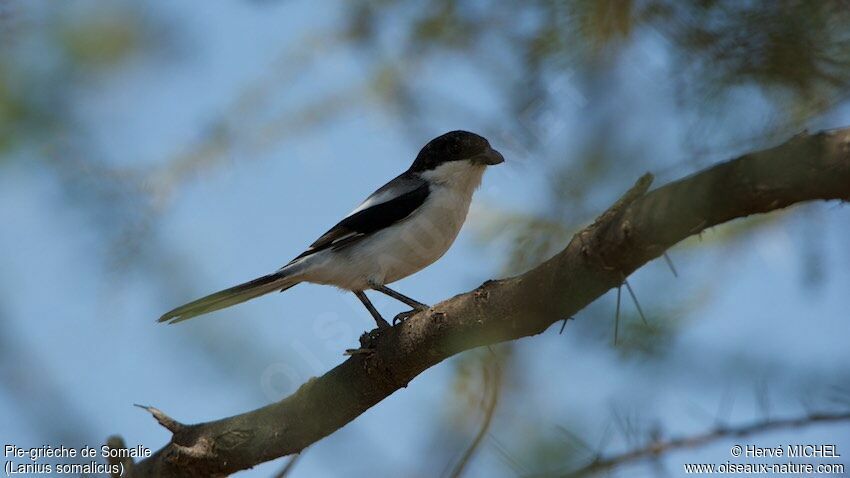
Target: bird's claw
402 316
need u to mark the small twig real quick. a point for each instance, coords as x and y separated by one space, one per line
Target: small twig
495 390
290 464
633 194
169 423
572 436
640 188
512 462
637 304
625 422
657 448
603 440
115 442
670 265
763 398
724 408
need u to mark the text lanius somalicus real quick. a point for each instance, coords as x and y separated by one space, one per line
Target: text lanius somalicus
403 227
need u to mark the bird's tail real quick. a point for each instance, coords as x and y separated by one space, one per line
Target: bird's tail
232 296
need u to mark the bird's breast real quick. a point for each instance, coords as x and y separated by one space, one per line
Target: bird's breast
421 239
401 249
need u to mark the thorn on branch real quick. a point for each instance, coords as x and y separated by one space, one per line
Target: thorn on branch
564 325
637 304
670 265
617 315
289 466
169 423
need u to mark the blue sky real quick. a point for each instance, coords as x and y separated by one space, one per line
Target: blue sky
92 331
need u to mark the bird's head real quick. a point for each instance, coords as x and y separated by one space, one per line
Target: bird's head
456 149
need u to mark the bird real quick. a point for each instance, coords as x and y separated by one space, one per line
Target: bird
401 228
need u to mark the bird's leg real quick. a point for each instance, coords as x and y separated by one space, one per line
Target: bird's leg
382 324
401 297
417 306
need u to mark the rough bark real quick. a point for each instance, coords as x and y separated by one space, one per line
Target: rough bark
635 230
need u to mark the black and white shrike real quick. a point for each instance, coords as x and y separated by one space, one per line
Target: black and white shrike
403 227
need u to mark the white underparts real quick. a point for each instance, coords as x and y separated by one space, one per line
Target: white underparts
407 246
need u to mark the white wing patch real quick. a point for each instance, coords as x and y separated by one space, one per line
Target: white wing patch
384 195
372 215
375 199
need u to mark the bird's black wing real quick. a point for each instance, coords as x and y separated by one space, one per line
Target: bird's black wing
390 204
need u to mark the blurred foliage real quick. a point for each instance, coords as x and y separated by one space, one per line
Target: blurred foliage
796 50
48 57
101 41
18 115
543 61
793 53
791 44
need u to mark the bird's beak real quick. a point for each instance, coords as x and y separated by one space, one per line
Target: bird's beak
490 157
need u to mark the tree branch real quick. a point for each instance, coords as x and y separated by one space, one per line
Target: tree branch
639 227
658 448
